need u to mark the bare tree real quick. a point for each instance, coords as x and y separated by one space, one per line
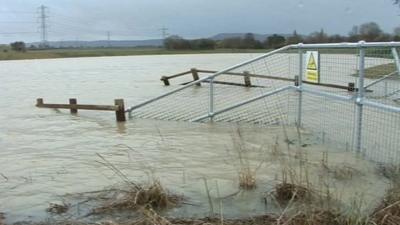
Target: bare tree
396 30
294 38
370 31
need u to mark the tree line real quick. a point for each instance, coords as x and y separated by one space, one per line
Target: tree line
370 32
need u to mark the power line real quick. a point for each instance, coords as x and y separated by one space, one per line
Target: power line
77 28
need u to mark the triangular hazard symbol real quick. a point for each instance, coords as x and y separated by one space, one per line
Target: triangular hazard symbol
311 63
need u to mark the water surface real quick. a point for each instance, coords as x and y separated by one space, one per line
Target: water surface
45 154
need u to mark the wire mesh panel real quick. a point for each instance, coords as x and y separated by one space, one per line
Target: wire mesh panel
271 110
381 135
331 121
381 76
181 106
263 76
229 88
338 66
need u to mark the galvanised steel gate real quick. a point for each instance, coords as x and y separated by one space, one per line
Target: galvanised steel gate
364 117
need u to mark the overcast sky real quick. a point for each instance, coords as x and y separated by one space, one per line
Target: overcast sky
142 19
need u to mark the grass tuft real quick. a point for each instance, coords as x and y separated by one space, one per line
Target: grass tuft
285 192
55 208
2 218
315 217
388 212
154 196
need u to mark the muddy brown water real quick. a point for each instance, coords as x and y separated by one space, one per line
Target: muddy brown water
45 154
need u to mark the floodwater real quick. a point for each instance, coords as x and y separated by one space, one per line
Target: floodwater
45 154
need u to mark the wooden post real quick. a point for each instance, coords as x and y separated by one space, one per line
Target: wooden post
165 80
247 81
39 101
72 101
296 81
120 113
195 75
351 87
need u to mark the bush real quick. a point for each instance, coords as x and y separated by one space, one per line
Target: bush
18 46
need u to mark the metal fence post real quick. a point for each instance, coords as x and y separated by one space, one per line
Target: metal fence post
360 96
211 99
300 86
396 59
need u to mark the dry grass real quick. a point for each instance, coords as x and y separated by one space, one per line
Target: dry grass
314 217
390 171
379 71
154 196
151 218
286 192
2 218
388 212
344 172
241 156
56 208
130 196
310 206
341 171
247 179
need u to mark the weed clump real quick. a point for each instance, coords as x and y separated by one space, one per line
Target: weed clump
388 212
247 179
154 196
285 192
2 218
315 217
344 172
241 156
55 208
390 171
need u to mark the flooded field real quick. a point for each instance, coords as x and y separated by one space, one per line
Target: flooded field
47 154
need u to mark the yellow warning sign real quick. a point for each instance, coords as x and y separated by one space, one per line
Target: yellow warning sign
311 63
312 69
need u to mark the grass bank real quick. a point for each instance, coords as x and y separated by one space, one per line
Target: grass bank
7 54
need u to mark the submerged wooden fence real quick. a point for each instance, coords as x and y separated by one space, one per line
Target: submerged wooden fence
73 106
247 79
119 106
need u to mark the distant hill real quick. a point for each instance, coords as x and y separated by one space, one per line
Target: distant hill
259 37
103 43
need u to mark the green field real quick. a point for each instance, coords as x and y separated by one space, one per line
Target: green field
8 54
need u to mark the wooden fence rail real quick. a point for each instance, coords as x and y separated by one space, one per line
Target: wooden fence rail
247 79
73 106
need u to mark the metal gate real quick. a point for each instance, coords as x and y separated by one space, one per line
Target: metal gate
351 99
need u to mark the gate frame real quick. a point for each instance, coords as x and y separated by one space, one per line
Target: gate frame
358 98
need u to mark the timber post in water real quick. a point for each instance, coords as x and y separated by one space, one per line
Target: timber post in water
120 113
195 75
118 107
296 80
165 79
351 87
73 101
247 81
